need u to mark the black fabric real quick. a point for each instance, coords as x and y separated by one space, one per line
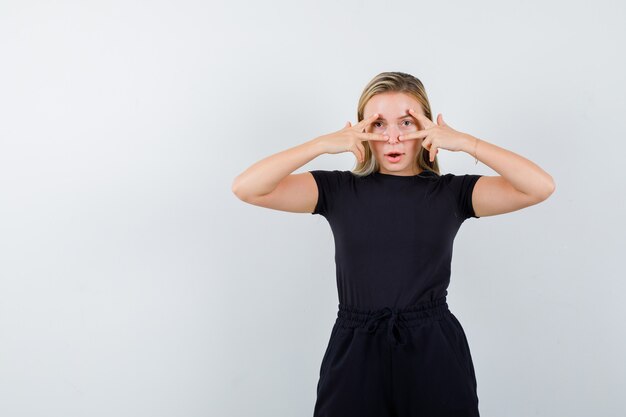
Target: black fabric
393 234
397 363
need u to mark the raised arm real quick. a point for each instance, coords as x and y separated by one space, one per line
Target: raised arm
521 182
270 183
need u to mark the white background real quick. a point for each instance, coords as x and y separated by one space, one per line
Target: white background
134 283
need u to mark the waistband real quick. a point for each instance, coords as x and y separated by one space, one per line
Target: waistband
412 315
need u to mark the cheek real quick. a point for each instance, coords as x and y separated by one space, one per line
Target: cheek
414 147
376 146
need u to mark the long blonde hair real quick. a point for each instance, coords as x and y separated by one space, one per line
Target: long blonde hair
399 82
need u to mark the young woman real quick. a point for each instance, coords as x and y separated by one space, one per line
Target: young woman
395 348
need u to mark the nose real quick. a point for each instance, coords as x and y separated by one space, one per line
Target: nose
393 133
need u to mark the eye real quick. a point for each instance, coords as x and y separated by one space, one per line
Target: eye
375 123
410 122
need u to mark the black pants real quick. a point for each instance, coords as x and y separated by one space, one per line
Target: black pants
397 363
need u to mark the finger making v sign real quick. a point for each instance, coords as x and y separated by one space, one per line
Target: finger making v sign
435 135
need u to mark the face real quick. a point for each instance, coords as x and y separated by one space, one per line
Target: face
394 120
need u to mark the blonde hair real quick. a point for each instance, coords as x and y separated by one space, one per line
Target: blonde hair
397 82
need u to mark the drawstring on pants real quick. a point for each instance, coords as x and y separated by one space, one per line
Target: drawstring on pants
396 318
392 314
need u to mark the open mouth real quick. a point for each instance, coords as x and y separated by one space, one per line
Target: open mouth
394 156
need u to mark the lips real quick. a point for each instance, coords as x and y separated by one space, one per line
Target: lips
394 157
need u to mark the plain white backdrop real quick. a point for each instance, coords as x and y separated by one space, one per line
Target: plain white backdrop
134 283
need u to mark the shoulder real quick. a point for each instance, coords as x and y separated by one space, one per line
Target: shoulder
456 180
331 178
330 185
332 173
461 188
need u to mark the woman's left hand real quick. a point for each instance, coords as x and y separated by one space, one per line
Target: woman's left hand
435 136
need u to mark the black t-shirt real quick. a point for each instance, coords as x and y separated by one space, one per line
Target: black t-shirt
393 234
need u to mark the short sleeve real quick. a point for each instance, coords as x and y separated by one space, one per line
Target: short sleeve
462 187
329 184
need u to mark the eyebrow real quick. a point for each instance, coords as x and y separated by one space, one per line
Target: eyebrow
399 118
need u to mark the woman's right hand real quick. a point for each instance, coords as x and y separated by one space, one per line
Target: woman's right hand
350 137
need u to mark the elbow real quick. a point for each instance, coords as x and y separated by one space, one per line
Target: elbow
239 192
551 187
236 189
548 190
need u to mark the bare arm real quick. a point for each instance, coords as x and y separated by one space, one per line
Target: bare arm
522 183
263 176
270 182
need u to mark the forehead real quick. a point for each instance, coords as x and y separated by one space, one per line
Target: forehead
391 106
382 117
